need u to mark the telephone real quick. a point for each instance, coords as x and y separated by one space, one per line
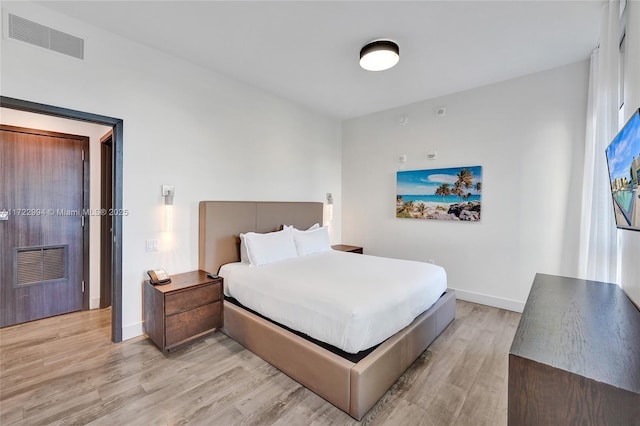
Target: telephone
158 276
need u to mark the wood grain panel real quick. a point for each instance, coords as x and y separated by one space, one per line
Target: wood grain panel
575 358
191 323
153 317
180 301
549 396
44 185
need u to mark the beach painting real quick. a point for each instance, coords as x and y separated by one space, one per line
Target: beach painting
453 193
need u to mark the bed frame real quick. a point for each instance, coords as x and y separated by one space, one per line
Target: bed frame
352 387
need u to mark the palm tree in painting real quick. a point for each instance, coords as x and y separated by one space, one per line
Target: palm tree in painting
478 187
422 208
465 179
400 208
405 209
443 190
457 190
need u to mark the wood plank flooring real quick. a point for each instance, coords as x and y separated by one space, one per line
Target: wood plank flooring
64 370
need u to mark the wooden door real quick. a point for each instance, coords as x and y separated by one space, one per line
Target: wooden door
106 220
43 245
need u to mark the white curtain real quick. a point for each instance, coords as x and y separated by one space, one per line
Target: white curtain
598 236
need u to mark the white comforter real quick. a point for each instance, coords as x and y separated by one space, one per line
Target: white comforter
350 301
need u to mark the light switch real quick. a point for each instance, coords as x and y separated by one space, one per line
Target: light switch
151 245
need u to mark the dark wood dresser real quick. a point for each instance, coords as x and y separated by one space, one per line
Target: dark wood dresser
575 357
184 310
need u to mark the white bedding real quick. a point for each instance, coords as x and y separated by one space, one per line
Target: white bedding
350 301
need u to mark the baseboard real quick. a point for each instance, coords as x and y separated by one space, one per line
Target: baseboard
132 330
483 299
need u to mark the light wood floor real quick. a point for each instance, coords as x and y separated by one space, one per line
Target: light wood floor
64 370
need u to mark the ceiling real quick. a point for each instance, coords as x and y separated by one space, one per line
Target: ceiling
307 51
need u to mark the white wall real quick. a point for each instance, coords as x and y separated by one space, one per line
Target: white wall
94 132
630 240
210 136
527 133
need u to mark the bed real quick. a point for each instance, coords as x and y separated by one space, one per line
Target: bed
353 384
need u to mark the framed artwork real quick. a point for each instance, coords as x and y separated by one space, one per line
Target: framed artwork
453 193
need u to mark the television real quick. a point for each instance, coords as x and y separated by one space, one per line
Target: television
623 160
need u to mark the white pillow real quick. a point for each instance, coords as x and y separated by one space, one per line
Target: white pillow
312 241
263 249
244 256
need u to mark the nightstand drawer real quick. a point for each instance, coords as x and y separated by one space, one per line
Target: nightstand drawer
183 300
190 323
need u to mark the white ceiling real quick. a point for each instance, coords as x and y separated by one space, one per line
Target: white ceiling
307 51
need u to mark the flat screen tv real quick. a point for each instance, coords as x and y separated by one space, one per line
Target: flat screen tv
623 160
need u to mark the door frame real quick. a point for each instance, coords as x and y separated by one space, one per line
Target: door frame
117 149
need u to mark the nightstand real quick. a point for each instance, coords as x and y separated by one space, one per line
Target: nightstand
184 310
350 249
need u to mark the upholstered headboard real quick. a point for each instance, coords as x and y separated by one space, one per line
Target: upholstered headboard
221 223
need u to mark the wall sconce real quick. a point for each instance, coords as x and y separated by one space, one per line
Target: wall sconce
329 208
168 191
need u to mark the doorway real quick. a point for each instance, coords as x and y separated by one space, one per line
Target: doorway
116 181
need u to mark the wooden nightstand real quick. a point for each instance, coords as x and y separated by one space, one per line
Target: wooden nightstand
350 249
184 310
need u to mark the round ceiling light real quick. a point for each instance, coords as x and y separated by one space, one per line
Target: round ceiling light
379 55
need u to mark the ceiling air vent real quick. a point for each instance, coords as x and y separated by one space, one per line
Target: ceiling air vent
42 36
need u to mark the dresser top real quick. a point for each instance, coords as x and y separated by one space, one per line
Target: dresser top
583 327
186 280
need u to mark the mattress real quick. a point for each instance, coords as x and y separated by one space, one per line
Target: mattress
350 301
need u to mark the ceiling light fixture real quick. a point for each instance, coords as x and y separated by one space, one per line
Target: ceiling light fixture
379 55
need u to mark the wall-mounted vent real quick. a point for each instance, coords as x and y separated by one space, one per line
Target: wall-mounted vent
40 35
37 264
